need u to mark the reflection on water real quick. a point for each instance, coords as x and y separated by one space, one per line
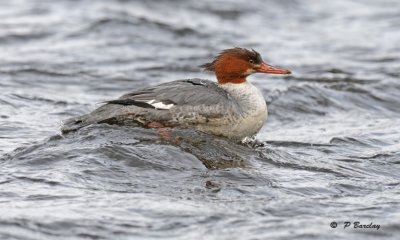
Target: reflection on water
328 152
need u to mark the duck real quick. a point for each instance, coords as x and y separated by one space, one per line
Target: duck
230 107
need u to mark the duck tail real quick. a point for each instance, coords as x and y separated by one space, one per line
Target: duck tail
73 124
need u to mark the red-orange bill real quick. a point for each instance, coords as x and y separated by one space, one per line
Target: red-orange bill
265 68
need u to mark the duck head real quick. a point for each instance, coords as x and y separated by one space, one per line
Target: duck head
235 64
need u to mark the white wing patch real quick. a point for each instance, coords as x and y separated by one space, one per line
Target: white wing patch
160 105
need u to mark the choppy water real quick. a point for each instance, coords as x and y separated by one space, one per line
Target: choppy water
330 150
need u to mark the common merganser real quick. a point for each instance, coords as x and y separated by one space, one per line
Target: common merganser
232 107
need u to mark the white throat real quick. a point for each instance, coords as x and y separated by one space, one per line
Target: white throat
247 95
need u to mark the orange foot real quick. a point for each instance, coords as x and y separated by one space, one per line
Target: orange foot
162 131
155 125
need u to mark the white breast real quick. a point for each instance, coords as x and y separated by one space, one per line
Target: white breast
253 107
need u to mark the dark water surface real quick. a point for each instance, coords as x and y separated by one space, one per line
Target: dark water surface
330 150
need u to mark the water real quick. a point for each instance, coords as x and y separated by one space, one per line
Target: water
330 150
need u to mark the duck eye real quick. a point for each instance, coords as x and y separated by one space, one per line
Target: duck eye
251 61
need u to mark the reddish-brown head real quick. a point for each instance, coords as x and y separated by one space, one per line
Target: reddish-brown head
235 64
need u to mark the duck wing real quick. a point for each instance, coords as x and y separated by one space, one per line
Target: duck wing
191 92
176 103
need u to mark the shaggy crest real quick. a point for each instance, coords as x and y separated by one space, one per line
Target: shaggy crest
241 53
